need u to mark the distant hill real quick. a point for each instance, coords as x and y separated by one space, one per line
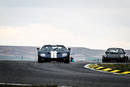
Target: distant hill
82 53
30 53
18 52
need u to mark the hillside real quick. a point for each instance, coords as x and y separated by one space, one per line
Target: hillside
30 53
82 53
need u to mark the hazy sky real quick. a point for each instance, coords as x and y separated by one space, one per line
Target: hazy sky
86 23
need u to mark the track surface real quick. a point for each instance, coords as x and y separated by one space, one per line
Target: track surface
73 74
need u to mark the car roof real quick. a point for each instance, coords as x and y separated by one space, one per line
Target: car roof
54 45
115 48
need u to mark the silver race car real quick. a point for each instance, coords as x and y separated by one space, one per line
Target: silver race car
115 54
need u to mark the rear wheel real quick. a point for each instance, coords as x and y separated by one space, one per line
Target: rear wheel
125 59
104 59
39 60
67 60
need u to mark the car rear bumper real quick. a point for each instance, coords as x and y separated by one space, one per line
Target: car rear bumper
114 59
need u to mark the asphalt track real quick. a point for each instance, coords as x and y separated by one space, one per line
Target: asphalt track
54 73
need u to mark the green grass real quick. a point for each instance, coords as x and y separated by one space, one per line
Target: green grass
123 67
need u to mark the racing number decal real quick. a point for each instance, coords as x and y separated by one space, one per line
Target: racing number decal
53 54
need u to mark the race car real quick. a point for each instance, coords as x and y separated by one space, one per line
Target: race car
54 53
115 54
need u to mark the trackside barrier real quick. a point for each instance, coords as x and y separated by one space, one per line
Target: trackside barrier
101 68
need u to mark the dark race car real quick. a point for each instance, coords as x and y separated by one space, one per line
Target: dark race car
54 52
115 54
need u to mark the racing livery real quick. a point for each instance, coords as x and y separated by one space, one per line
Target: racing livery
54 52
115 54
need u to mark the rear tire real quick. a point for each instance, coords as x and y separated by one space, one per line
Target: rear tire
104 59
39 60
126 59
67 60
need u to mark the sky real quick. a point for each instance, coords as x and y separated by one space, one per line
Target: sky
96 24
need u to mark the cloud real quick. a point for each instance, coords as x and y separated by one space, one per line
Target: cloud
88 27
66 3
36 34
40 34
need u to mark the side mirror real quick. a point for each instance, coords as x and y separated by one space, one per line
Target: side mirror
69 49
38 48
105 52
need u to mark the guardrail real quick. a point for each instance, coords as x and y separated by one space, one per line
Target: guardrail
18 58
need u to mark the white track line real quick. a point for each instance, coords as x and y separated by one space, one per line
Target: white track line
19 84
86 66
15 84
